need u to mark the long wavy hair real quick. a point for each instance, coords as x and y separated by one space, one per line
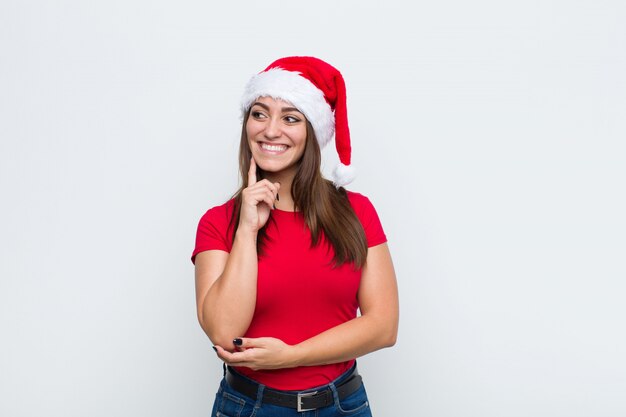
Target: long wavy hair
326 208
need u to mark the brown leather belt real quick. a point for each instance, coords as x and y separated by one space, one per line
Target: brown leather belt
300 400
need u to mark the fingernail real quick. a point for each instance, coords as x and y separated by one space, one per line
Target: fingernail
274 206
237 342
277 197
214 348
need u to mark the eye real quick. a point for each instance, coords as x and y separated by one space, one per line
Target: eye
291 119
256 114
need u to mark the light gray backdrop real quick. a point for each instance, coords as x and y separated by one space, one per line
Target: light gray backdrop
489 135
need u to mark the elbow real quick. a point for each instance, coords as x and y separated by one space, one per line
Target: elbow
385 332
203 322
204 326
391 339
391 336
217 338
222 340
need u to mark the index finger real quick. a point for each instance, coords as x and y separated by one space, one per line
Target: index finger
233 357
252 172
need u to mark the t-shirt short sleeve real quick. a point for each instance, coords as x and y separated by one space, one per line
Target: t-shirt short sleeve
368 216
214 231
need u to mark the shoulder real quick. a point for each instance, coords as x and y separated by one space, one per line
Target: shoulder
218 214
358 201
366 213
218 218
362 206
214 229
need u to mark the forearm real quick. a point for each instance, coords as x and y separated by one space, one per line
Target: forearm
347 341
228 306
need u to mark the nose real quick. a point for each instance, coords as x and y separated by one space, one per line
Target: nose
273 128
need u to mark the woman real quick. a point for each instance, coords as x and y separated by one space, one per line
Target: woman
282 268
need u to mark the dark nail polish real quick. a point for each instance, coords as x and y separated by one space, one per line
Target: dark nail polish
214 348
277 197
237 342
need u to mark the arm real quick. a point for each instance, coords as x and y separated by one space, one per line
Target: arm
226 289
376 328
226 282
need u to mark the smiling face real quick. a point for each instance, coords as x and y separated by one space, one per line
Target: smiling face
276 134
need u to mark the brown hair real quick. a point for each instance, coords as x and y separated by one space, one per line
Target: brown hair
326 209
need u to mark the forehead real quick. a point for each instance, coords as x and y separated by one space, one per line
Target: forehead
273 102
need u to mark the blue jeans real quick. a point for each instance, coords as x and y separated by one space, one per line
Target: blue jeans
231 403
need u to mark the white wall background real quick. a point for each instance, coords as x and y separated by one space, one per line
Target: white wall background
490 135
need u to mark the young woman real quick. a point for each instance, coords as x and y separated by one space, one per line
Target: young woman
282 268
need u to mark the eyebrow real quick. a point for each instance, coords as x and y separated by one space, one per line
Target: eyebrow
284 109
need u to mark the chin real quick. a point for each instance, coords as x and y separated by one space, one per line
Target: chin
264 164
273 167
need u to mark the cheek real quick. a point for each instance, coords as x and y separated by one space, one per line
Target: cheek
301 148
249 131
253 127
301 138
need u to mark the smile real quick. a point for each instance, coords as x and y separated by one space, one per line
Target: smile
273 148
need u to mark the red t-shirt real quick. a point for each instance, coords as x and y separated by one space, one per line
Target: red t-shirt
299 293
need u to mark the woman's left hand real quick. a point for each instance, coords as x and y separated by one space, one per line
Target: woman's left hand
259 353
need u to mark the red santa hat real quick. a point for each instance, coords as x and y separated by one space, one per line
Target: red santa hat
318 90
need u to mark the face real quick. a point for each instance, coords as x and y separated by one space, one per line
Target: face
276 134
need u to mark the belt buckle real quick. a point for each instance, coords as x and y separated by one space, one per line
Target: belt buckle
304 395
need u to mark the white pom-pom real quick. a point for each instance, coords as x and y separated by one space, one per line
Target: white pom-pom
343 175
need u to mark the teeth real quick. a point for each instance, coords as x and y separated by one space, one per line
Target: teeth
275 148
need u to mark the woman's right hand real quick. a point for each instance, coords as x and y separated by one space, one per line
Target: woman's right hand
257 200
